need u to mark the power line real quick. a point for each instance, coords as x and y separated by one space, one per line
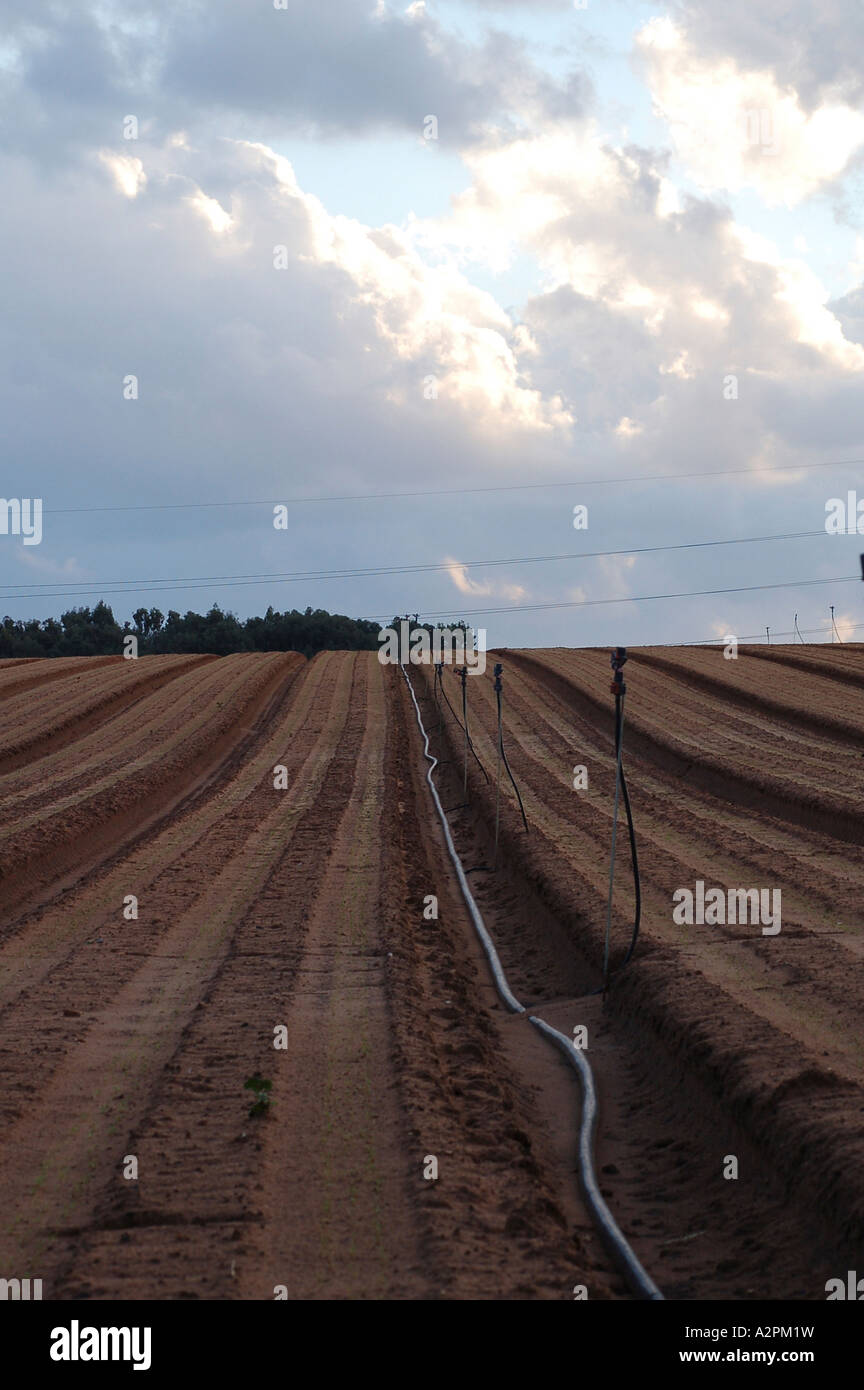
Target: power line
448 492
634 598
757 636
95 586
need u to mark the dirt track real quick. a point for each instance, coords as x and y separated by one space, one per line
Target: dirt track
300 909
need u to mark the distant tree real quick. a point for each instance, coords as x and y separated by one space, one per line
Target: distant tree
96 632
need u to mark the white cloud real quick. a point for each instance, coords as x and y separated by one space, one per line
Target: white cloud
212 211
800 290
310 379
476 587
737 127
127 172
848 626
679 367
69 569
627 428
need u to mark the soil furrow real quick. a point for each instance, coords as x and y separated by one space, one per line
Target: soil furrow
561 855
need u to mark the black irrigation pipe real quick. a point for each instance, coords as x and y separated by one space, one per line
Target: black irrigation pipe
463 676
462 726
625 1257
498 671
619 657
619 689
637 886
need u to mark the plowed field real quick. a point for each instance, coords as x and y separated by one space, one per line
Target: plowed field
215 869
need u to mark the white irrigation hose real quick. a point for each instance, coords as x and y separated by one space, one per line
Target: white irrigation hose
642 1285
479 926
616 1243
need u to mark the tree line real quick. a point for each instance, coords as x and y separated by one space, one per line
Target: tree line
96 632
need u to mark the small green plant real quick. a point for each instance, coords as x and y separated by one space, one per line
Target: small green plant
262 1088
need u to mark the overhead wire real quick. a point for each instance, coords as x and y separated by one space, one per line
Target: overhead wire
87 587
452 491
634 598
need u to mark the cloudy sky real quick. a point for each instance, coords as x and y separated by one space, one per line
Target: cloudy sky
449 270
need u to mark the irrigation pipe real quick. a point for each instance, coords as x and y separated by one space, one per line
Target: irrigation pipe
502 755
479 926
619 713
634 861
619 658
464 727
463 675
640 1282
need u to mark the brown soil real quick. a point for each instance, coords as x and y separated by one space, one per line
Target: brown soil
296 916
759 1037
258 909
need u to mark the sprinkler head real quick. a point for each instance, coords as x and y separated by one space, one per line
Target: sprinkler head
616 661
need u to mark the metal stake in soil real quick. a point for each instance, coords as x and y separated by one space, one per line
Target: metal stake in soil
462 672
439 665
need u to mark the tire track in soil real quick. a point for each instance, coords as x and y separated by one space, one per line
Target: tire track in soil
18 674
756 841
51 971
281 1172
842 664
758 1236
818 967
811 971
455 1077
338 1221
169 1076
56 847
763 843
812 705
116 756
818 1006
797 793
106 1080
69 904
106 695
